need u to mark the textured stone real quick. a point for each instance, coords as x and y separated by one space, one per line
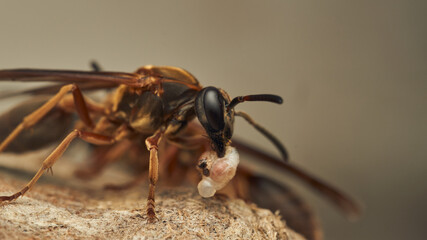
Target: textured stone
62 211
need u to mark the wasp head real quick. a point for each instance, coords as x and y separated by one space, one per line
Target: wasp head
211 108
215 111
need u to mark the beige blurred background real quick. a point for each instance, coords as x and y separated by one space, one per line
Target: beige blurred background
353 76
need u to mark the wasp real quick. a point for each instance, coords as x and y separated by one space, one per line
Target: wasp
153 105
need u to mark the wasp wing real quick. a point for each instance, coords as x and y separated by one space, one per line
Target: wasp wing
67 76
267 193
52 89
348 206
92 80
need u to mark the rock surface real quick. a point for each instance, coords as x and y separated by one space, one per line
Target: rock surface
61 211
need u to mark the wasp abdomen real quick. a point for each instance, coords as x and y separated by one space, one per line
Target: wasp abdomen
50 129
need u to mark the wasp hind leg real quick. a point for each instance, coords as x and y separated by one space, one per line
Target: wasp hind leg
57 153
33 118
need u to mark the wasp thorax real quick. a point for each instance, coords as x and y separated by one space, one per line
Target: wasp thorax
216 172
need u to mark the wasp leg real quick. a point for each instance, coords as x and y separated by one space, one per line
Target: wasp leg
135 154
153 173
31 119
101 158
168 160
57 153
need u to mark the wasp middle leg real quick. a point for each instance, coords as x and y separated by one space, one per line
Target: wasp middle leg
102 157
153 172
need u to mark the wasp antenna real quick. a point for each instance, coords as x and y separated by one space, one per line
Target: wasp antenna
95 66
258 97
266 133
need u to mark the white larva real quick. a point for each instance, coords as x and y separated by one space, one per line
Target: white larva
220 171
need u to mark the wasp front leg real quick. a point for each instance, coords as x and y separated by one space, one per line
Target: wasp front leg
152 144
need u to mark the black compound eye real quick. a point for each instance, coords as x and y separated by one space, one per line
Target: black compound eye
214 109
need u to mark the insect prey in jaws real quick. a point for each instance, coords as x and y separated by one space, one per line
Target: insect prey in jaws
217 172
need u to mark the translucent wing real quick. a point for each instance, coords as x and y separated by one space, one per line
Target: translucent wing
348 206
267 193
66 76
